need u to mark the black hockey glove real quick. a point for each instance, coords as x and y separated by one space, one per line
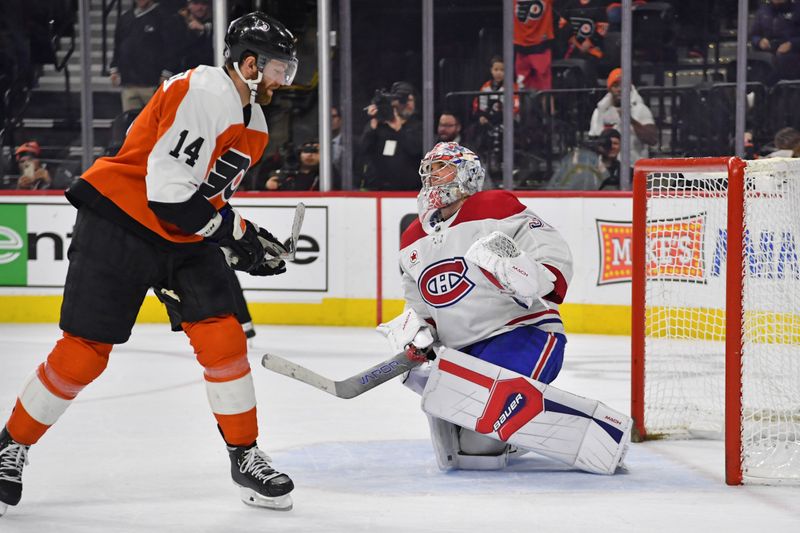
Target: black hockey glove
239 240
272 264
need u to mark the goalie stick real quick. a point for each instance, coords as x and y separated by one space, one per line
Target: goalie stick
349 387
297 223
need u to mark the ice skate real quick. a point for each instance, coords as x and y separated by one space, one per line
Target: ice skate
260 484
13 457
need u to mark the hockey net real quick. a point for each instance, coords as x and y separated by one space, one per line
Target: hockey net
716 309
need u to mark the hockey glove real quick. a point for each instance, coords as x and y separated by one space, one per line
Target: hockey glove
272 264
510 268
408 333
238 239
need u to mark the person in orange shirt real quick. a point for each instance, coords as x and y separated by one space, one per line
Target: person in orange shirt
157 215
533 40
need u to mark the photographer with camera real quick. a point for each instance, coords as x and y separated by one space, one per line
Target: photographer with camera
300 172
591 166
608 146
391 145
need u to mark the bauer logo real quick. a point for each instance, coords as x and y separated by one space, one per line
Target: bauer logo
675 249
445 282
512 403
13 245
615 251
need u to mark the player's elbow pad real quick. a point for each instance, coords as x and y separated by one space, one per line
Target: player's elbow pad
190 216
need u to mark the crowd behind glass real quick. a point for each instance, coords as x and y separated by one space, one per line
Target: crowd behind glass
566 96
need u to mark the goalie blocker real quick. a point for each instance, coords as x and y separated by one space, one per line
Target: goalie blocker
520 411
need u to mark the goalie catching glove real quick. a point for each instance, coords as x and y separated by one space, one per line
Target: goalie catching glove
408 333
246 246
510 268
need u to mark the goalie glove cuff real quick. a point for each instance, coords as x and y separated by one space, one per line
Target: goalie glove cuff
407 329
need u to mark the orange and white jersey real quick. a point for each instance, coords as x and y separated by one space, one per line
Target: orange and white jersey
457 297
190 137
533 22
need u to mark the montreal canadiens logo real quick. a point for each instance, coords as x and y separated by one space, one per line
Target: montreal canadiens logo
445 282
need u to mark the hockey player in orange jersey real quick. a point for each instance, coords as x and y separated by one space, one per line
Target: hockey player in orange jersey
157 215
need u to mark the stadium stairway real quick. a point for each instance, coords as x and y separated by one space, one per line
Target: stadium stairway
54 112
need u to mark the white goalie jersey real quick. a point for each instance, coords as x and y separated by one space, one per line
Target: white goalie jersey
461 300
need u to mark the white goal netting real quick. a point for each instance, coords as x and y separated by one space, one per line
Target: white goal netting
685 308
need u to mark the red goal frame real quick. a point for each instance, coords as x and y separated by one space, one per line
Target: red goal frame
734 167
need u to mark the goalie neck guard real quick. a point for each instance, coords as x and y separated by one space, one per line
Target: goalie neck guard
462 176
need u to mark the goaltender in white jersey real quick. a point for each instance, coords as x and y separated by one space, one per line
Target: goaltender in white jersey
483 277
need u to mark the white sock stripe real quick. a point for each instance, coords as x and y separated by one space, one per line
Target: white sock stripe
235 367
64 386
231 397
41 404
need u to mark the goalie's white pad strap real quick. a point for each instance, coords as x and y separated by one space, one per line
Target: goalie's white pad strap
510 268
518 410
407 328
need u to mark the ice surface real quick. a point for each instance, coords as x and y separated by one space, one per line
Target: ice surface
139 452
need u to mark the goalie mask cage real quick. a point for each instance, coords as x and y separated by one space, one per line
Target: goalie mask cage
716 309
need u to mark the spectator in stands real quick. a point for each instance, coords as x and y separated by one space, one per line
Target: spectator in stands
448 128
391 145
607 115
144 52
197 41
533 41
336 144
300 173
487 106
33 173
614 13
786 142
587 25
776 29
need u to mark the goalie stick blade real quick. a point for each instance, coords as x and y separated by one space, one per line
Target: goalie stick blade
346 388
297 223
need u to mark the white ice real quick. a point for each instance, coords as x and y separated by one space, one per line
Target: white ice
138 451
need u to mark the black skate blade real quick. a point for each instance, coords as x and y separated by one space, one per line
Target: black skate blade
277 503
3 508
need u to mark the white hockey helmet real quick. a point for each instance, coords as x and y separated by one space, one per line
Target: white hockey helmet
465 167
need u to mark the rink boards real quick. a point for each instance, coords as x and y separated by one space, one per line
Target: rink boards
346 269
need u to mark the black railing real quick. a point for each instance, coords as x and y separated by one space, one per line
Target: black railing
108 5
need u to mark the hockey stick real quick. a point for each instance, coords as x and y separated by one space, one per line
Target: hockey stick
346 388
297 223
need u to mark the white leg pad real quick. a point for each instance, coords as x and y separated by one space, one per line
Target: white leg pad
444 436
517 410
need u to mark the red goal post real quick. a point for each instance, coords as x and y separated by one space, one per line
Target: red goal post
715 333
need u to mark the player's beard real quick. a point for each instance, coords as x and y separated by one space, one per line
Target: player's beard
263 95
